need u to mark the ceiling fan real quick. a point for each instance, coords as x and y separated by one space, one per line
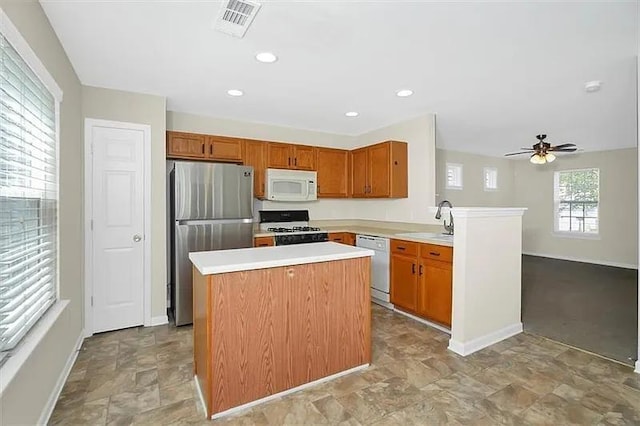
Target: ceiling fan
542 152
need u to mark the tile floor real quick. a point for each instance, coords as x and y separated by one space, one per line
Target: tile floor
144 376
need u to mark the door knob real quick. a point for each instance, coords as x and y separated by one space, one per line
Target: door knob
137 238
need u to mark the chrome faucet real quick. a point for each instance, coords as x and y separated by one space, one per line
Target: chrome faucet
449 227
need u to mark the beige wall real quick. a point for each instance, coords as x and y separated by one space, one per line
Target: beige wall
618 243
139 108
472 193
25 398
418 133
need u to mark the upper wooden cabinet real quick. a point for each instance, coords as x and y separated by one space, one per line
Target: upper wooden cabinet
375 171
289 156
193 146
255 155
222 148
333 173
185 145
380 171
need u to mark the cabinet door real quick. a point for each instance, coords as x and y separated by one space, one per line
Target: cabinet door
434 291
333 173
255 155
359 184
304 157
404 282
224 149
379 163
350 238
279 156
263 242
185 145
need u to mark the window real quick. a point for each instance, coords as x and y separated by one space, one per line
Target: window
576 195
490 178
28 196
454 176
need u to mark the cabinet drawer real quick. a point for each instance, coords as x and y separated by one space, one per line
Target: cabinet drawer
436 252
337 237
404 247
263 242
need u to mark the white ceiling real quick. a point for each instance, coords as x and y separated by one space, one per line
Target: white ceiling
495 73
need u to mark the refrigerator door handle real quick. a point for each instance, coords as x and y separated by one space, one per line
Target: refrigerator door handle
212 221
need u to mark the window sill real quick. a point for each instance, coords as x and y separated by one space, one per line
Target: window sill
457 188
576 235
26 347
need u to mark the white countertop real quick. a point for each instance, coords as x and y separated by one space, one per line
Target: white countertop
221 261
375 232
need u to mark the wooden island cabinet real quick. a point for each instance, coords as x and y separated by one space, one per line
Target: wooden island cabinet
421 279
268 320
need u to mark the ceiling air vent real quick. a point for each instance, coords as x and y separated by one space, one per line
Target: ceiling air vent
235 17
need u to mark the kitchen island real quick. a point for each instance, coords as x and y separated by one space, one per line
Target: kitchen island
269 320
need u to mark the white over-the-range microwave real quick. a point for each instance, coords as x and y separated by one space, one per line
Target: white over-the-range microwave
291 185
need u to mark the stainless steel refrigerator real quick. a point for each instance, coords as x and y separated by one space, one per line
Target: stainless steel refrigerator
211 209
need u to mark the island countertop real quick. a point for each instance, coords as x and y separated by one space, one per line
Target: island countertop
223 261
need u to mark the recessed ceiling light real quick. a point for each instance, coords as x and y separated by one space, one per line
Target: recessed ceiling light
266 57
592 86
351 114
235 92
404 93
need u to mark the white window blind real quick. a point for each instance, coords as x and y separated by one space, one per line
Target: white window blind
490 178
454 176
28 198
577 200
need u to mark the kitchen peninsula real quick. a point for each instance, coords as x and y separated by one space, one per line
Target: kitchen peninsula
269 320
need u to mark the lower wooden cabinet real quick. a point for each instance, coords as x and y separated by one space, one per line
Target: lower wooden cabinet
263 242
404 282
421 279
343 237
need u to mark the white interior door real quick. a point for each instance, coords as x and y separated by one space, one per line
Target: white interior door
118 224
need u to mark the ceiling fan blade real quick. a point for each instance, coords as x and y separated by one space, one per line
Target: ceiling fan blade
518 153
565 150
564 145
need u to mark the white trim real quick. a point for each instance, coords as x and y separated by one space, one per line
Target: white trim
28 344
203 403
576 259
11 33
424 321
459 212
89 123
158 320
242 407
62 379
576 234
482 342
637 369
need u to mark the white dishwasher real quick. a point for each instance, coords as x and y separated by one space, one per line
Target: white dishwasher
379 268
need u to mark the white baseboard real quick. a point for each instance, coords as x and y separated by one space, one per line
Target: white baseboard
242 407
424 321
62 379
482 342
575 259
159 320
637 370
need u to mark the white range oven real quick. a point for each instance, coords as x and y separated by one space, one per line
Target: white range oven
379 268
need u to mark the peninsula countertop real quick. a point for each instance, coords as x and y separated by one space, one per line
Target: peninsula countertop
223 261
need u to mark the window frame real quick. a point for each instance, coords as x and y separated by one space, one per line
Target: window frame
12 359
458 166
556 207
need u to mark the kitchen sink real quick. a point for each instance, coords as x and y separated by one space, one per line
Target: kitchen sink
427 236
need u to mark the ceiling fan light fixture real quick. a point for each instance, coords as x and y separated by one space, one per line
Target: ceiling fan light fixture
550 157
538 159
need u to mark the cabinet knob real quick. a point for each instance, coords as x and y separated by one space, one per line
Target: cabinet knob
420 270
433 253
413 268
